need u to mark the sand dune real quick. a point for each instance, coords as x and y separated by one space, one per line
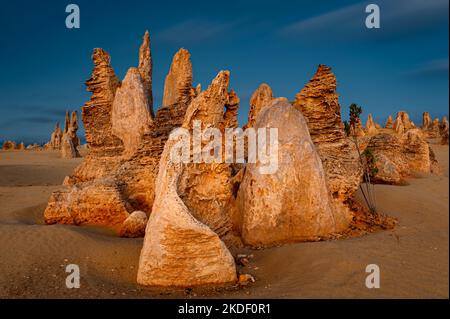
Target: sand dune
413 258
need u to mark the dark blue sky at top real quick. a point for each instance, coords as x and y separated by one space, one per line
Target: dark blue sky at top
401 66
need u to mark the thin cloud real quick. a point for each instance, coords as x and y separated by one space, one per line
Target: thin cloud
193 31
434 68
398 18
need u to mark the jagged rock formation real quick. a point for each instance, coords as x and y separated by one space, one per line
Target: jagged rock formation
434 130
9 145
134 225
70 140
294 203
318 102
398 126
55 139
94 203
130 115
96 113
178 84
389 123
124 144
262 97
145 70
426 121
181 246
370 125
402 121
401 157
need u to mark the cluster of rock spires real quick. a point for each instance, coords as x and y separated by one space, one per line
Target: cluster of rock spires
400 148
67 140
11 145
194 215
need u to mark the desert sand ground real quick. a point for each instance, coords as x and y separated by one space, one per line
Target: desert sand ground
413 258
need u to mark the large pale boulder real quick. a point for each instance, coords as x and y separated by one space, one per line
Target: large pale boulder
130 115
179 250
294 203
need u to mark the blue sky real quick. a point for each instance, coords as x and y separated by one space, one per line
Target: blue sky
401 66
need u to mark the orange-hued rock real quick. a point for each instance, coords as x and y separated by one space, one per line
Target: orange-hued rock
182 244
9 145
145 70
262 97
443 131
402 122
21 146
179 250
178 84
389 123
426 121
206 188
96 113
134 225
93 203
55 139
319 104
293 203
370 125
398 126
132 160
130 115
70 140
401 156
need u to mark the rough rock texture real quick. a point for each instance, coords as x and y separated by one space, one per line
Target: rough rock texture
370 125
262 97
400 157
55 139
178 84
180 248
68 149
318 102
403 118
70 141
134 225
134 172
206 188
294 203
95 203
145 70
389 123
130 115
426 121
434 130
96 113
